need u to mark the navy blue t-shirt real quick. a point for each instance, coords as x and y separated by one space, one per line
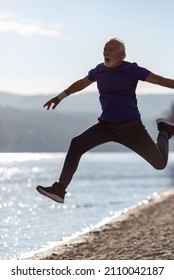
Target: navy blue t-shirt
117 88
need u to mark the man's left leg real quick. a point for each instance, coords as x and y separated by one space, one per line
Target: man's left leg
135 136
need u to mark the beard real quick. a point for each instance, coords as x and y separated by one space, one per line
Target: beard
111 63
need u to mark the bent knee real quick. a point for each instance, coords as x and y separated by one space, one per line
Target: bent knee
76 142
160 166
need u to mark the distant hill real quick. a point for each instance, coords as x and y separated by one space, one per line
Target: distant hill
26 127
150 105
83 102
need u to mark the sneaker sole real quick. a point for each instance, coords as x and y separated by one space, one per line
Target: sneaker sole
54 197
161 120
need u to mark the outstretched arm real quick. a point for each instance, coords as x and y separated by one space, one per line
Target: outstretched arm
159 80
77 86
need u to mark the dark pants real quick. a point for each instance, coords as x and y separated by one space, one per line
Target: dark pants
131 134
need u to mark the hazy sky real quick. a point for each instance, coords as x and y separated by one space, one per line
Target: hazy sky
45 45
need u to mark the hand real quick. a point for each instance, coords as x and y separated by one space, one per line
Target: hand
55 101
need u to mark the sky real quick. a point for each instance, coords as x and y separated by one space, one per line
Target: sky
46 45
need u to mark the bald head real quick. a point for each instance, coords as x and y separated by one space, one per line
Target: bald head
114 52
119 44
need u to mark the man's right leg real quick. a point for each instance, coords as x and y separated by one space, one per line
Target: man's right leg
95 135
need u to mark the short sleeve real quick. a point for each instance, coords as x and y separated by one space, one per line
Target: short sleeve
91 75
140 73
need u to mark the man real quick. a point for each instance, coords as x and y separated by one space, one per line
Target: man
120 120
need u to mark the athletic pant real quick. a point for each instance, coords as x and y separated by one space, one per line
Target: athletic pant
131 134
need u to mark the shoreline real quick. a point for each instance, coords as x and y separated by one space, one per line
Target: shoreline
143 232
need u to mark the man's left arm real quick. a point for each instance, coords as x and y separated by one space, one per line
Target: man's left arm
159 80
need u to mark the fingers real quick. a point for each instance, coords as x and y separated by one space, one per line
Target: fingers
47 104
56 102
51 102
54 106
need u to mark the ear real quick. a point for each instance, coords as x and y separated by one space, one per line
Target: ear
122 54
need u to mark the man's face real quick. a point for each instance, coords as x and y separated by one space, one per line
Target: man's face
112 54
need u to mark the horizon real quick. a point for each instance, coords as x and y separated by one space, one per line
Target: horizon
84 92
49 94
75 103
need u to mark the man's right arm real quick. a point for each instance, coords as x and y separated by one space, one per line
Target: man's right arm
75 87
78 85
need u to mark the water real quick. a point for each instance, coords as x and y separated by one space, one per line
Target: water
104 184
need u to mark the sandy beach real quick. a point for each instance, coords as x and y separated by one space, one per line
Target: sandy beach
144 232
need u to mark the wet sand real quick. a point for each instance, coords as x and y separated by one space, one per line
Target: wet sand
144 232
